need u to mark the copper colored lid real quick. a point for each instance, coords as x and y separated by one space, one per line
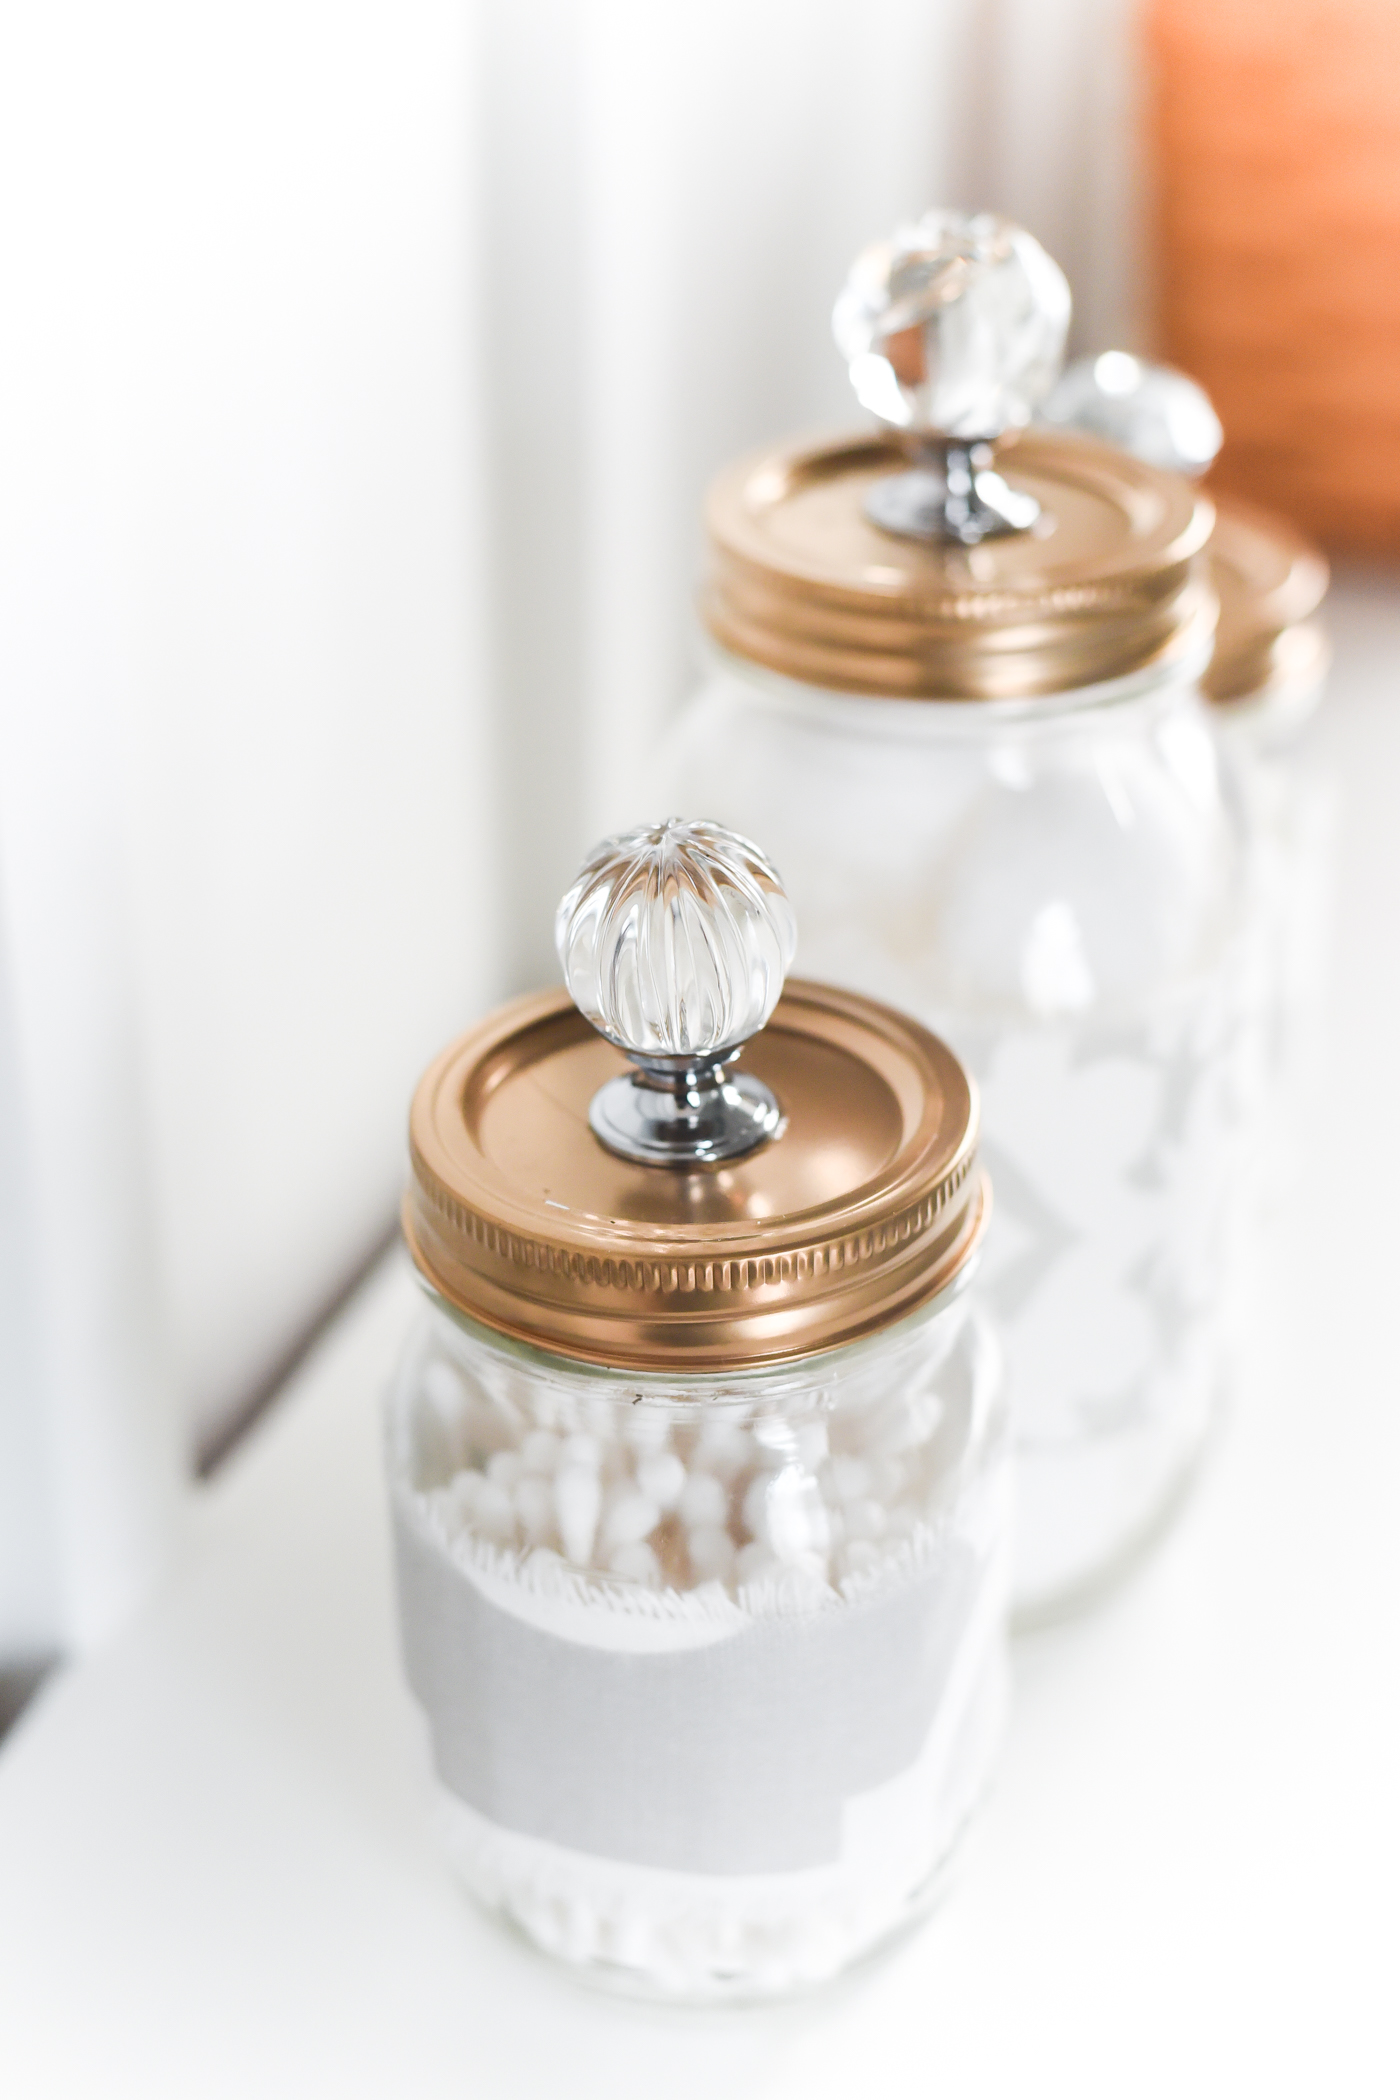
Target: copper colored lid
864 1206
1107 583
1269 581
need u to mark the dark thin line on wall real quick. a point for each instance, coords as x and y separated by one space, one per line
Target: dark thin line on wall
214 1448
18 1684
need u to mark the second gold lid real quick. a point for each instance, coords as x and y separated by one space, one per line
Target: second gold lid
1107 582
1270 582
951 557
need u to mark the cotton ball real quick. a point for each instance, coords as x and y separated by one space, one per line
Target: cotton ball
540 1451
888 1478
581 1449
755 1505
636 1562
494 1513
630 1518
703 1499
534 1502
662 1476
458 1498
711 1552
849 1478
894 1429
865 1520
724 1448
578 1497
810 1444
505 1469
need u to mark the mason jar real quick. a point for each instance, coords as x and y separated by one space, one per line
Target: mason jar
697 1454
955 687
1265 682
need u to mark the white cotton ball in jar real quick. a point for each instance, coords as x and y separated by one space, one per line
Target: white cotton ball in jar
457 1501
534 1503
539 1453
786 1512
864 1520
505 1469
581 1448
629 1518
494 1513
661 1476
711 1551
578 1499
636 1562
724 1448
848 1478
703 1499
811 1445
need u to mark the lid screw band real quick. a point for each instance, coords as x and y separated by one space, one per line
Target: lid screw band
953 332
675 940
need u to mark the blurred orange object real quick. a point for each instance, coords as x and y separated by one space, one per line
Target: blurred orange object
1275 136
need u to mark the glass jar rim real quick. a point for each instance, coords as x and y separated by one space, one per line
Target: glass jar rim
781 1374
932 720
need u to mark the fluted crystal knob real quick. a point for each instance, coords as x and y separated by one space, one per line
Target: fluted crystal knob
1152 411
953 332
675 940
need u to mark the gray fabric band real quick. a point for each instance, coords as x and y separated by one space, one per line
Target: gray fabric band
734 1758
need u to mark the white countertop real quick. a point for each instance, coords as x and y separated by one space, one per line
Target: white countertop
217 1872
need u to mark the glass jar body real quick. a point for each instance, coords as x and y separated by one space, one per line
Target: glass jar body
1289 802
713 1667
1053 886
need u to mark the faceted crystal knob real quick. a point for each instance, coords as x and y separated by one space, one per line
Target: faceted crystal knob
953 332
955 327
675 940
1152 411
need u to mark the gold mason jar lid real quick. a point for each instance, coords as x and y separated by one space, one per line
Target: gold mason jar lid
1109 580
864 1206
1270 581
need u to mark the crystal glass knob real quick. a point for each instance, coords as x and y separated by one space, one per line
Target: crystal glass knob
1152 411
674 941
953 331
955 327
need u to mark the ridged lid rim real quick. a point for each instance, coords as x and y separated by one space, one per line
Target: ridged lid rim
864 613
633 1293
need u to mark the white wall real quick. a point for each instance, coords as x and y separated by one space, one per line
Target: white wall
244 813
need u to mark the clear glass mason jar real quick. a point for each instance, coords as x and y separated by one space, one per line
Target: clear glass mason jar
714 1666
1053 885
957 695
698 1458
1266 681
